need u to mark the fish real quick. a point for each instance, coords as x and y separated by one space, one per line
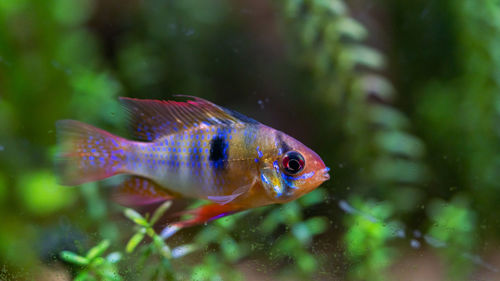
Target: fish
190 149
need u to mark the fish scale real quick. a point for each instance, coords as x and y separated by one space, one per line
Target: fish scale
183 161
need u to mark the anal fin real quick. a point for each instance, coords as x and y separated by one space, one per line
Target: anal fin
201 215
137 190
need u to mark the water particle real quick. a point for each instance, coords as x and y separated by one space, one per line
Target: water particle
261 104
414 244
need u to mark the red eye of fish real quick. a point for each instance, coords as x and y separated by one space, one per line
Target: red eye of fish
293 162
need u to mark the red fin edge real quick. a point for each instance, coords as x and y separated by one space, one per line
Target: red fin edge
207 213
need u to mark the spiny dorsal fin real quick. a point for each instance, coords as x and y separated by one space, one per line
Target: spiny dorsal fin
152 119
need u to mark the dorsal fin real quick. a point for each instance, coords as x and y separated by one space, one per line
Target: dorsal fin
152 119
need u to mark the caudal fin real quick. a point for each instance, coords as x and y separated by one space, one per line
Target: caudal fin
87 153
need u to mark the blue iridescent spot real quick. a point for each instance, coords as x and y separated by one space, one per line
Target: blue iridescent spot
259 152
91 158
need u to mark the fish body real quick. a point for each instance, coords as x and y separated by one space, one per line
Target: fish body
192 149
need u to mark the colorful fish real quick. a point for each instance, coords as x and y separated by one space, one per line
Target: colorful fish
192 149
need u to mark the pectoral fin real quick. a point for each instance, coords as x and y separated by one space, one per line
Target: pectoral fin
272 180
224 199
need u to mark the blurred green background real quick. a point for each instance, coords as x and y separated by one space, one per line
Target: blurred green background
400 98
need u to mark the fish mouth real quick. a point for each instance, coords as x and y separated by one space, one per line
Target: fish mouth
324 174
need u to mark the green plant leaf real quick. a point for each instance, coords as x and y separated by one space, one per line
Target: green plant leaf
160 211
98 250
135 240
74 258
136 217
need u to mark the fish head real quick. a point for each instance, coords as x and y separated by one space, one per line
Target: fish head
291 170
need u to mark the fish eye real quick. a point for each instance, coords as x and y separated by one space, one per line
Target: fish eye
293 162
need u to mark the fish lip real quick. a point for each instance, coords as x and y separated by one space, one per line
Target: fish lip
325 174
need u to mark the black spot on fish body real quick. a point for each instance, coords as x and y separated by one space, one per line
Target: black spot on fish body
218 152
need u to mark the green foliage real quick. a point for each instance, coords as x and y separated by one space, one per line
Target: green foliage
41 195
93 265
366 239
296 241
329 43
162 268
377 136
463 113
454 225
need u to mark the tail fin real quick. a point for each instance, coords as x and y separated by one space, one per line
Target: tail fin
87 153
